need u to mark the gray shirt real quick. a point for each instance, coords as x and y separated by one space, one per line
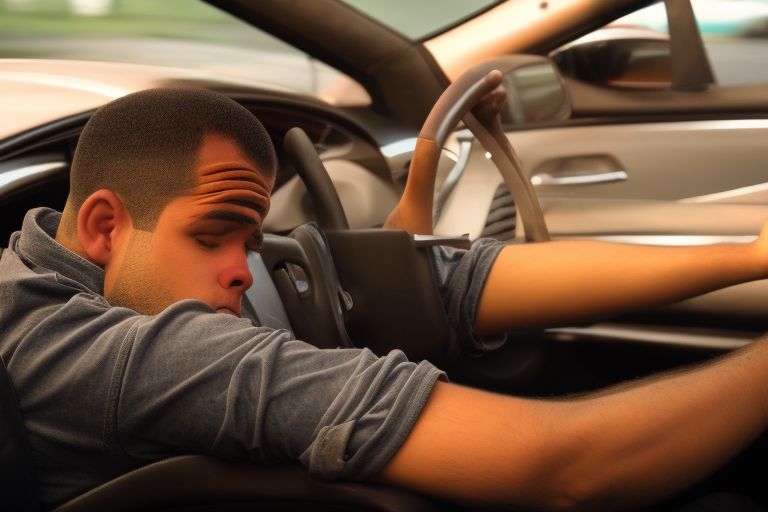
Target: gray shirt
104 390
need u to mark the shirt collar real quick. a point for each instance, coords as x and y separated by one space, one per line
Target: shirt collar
37 243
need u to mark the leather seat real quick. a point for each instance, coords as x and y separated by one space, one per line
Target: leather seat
17 483
205 483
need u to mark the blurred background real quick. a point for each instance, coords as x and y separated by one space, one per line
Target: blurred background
192 34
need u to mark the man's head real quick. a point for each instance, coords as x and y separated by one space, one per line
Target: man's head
143 147
168 188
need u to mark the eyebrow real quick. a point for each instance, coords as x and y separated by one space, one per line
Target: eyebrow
229 216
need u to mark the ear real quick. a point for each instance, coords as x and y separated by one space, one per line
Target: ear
100 220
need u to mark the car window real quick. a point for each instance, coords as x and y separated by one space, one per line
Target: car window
177 33
633 50
420 20
736 37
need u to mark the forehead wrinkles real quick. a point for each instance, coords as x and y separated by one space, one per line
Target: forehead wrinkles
231 176
232 200
246 187
247 184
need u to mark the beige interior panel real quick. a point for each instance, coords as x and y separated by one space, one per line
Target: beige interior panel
662 160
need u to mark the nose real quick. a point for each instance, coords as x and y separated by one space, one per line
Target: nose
236 276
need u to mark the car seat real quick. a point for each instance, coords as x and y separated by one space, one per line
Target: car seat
17 483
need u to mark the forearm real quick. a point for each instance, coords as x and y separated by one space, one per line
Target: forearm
627 447
563 282
645 441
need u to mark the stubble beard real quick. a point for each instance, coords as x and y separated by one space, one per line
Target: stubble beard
137 286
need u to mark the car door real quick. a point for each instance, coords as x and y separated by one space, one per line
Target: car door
631 145
673 166
646 160
680 148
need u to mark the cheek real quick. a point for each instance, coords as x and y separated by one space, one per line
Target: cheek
182 264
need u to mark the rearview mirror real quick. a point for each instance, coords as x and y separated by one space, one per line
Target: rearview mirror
535 94
535 90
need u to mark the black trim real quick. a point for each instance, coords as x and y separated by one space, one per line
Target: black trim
58 129
17 477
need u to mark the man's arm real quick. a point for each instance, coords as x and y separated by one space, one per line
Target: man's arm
633 445
556 283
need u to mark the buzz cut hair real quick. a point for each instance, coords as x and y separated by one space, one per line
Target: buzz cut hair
144 146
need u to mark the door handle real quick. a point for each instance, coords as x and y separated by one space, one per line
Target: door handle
544 178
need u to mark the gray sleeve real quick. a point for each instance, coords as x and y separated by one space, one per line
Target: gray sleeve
461 276
208 383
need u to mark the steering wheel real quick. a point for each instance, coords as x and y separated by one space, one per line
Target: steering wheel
477 97
302 155
366 271
359 296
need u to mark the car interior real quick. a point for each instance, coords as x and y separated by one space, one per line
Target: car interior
675 165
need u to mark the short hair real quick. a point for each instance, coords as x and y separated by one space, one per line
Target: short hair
143 147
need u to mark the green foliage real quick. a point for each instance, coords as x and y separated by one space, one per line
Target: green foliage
148 18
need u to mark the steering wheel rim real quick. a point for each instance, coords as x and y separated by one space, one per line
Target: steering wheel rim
476 96
303 156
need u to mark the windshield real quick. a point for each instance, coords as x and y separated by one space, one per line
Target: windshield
177 33
421 20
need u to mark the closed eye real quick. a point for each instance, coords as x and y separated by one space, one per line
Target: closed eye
206 243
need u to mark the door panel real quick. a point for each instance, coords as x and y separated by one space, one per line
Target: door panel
662 161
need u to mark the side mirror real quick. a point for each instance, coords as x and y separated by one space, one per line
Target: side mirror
619 57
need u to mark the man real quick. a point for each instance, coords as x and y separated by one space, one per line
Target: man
123 338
